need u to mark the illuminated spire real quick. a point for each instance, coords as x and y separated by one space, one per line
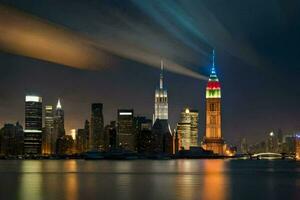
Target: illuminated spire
58 106
213 70
161 81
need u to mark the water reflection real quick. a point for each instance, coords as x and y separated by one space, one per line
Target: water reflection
147 179
187 181
31 180
214 180
48 180
71 184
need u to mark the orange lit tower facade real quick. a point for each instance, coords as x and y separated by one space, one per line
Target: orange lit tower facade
213 136
297 146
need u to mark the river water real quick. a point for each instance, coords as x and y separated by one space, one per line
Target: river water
149 179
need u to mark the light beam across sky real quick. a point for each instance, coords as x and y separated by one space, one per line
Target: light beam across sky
27 35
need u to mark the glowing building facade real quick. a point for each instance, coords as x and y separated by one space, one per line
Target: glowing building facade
297 140
161 99
48 130
187 129
33 125
213 136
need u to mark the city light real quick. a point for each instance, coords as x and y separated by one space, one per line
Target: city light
73 133
32 131
125 113
30 98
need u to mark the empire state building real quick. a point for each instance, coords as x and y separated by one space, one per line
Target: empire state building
213 136
161 98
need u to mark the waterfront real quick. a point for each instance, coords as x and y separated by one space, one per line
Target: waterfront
149 179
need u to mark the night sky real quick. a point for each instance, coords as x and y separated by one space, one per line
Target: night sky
109 51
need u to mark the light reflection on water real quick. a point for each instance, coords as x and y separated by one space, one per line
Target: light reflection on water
215 180
149 179
31 182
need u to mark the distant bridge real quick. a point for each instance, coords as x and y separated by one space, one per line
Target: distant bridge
269 155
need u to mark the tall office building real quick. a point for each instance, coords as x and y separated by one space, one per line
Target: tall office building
162 137
82 138
161 99
33 125
97 127
144 137
125 129
48 130
213 136
87 134
58 126
111 133
289 144
49 117
272 143
187 129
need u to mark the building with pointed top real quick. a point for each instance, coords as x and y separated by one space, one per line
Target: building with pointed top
213 135
58 106
161 98
59 119
161 132
58 126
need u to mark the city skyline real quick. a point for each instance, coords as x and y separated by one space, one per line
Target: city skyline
149 99
69 128
254 101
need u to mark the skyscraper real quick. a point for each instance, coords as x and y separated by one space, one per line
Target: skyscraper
111 132
82 138
33 125
162 137
126 131
87 134
97 127
213 136
187 129
144 137
58 126
161 99
49 117
272 143
48 130
80 141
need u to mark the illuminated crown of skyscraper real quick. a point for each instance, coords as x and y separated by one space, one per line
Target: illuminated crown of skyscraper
58 106
213 88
